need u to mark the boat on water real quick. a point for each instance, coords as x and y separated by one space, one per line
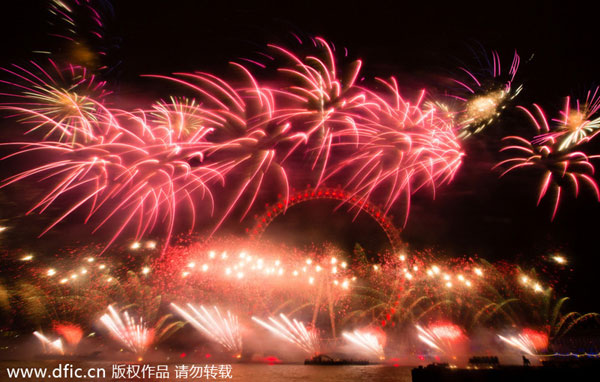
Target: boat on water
325 360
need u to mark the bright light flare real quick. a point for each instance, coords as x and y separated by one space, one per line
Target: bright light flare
441 337
521 343
483 109
366 342
484 97
222 329
70 332
134 335
293 331
50 346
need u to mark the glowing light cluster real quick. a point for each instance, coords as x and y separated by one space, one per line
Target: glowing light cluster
223 329
245 266
292 331
384 299
441 337
520 342
483 97
50 346
366 342
135 335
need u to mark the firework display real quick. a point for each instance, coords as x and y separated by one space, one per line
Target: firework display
138 168
413 303
53 346
555 150
520 342
135 335
167 183
293 331
70 332
366 342
440 337
484 96
223 329
63 103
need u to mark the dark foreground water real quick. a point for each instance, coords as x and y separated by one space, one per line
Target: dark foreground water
238 372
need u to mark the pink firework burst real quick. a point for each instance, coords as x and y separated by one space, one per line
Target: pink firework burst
403 147
64 104
559 169
245 133
321 101
137 176
483 96
577 123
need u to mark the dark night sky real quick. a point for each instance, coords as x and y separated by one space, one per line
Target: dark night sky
418 42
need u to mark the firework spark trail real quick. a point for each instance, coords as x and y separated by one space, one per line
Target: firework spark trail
139 167
182 118
82 30
325 102
65 104
427 338
482 98
461 291
75 17
555 150
293 331
224 330
244 133
440 337
577 123
402 149
366 342
520 342
560 169
56 345
351 120
257 276
136 336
